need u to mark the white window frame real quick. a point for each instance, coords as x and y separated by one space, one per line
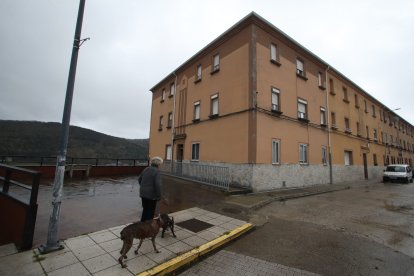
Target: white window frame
163 94
168 152
300 67
199 72
170 119
216 62
303 154
160 124
320 81
275 99
323 116
195 151
172 89
324 156
303 115
197 110
347 158
214 105
275 151
273 52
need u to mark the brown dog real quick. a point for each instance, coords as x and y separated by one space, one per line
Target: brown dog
139 230
168 222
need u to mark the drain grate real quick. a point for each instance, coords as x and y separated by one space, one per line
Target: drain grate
194 225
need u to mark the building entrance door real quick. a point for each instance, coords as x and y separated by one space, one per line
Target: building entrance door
364 156
180 156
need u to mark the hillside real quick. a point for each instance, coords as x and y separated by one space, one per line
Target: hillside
32 138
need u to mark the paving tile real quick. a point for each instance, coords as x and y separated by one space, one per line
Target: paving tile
115 270
237 222
145 247
88 252
99 263
212 214
117 230
218 230
79 242
8 249
130 255
103 236
140 264
183 234
204 218
71 270
183 217
161 257
229 226
112 245
208 235
179 247
20 264
51 263
217 221
194 241
167 240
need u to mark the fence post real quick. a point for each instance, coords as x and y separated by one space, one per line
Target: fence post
7 181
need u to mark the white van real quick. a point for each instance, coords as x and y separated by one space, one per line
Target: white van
398 172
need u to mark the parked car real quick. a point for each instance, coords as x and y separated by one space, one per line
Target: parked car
398 172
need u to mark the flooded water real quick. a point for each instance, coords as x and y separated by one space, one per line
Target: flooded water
94 204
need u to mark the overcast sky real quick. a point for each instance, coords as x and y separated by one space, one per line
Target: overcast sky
134 44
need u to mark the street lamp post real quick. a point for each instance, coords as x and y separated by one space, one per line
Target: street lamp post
53 243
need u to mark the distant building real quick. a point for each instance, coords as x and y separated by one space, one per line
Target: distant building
258 102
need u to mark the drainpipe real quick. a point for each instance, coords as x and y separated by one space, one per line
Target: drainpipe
329 128
172 125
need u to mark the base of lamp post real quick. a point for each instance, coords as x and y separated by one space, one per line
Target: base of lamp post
44 249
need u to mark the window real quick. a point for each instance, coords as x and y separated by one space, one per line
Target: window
195 151
275 151
375 135
216 63
331 87
172 89
163 95
348 157
170 119
367 129
374 156
300 68
324 155
199 73
381 115
323 116
333 120
275 99
345 94
214 106
320 80
366 106
168 152
356 101
373 111
196 111
358 129
274 55
160 123
347 127
302 109
303 154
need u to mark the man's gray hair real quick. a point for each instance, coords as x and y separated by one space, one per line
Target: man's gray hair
157 161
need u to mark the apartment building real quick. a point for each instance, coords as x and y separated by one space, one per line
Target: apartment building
256 101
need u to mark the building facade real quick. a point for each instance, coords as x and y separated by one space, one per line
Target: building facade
256 101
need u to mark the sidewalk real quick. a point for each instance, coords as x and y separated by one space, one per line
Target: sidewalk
96 253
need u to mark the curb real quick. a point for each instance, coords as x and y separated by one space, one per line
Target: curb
304 194
192 255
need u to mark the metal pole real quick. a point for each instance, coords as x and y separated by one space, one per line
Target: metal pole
53 243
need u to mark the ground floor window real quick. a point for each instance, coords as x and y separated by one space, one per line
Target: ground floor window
195 152
275 151
348 157
303 154
168 152
374 156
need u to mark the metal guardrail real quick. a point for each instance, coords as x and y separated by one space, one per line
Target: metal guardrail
213 175
27 160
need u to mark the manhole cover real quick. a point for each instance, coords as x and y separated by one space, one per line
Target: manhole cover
194 225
